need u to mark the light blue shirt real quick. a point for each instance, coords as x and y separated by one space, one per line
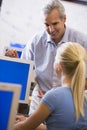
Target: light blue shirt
62 117
42 51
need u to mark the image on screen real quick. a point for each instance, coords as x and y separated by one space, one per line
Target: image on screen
18 71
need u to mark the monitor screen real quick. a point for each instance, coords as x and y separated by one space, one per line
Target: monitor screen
9 96
17 71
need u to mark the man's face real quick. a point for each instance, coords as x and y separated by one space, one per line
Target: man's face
55 25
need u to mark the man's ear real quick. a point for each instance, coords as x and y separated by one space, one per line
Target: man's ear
64 18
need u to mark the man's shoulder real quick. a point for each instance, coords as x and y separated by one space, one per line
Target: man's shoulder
41 34
40 38
76 35
75 31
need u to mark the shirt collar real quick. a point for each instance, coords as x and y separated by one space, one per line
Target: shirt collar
65 36
63 40
49 40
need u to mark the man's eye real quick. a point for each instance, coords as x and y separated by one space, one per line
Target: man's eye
46 25
55 23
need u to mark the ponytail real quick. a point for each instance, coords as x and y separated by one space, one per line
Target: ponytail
77 87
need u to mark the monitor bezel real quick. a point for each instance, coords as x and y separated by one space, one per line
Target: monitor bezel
30 76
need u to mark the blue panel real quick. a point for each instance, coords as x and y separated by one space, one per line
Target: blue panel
15 72
5 107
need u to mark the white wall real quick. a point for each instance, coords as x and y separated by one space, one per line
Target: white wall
21 19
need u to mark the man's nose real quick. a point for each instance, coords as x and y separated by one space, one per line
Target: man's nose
51 28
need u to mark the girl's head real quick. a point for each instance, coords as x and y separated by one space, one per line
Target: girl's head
70 60
70 56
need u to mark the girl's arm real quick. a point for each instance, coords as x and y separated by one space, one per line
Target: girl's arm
34 120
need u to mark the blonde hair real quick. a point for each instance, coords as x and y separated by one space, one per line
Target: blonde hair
73 57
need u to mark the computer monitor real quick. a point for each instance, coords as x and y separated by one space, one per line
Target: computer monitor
17 71
9 97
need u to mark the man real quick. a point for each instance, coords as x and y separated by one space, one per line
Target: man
42 49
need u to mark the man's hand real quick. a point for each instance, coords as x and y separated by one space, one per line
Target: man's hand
12 53
41 93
